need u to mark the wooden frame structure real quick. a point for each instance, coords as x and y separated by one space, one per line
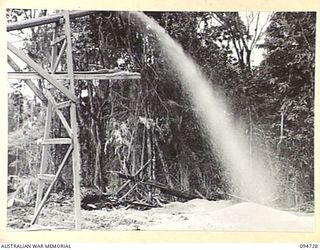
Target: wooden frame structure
53 107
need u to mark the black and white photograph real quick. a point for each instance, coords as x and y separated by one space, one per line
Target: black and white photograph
160 120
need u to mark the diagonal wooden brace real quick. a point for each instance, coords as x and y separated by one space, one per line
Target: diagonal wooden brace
44 20
42 72
51 185
31 85
60 115
55 66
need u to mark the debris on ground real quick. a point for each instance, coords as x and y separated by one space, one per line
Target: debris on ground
197 214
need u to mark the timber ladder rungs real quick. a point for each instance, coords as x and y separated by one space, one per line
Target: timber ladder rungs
57 40
46 177
63 105
64 82
56 141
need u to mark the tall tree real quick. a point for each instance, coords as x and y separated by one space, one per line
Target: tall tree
285 80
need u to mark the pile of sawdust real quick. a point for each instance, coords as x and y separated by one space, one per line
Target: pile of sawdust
202 215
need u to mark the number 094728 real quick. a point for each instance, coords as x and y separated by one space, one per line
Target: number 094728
305 246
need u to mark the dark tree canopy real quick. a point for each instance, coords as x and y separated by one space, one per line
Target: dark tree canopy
128 124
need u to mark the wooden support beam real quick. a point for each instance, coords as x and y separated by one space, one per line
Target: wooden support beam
53 141
62 105
51 87
57 40
123 186
74 126
42 72
51 185
130 190
46 177
51 100
77 76
56 63
31 85
44 20
64 123
168 190
60 115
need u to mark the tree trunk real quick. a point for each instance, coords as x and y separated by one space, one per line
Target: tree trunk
164 165
184 176
94 129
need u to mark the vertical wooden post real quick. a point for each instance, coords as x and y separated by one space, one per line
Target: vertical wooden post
74 127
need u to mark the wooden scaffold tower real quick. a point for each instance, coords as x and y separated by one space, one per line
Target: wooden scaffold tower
67 88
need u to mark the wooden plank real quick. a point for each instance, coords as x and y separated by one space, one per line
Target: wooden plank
56 63
51 185
74 125
77 76
51 87
114 76
130 190
51 100
168 190
31 85
114 71
44 20
123 186
60 115
42 72
64 123
57 40
46 177
62 105
52 141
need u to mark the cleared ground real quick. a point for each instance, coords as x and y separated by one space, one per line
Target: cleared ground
193 215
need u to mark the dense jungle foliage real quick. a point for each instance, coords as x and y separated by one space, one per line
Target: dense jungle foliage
130 123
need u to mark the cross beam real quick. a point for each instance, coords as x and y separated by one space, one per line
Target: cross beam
31 85
78 75
44 20
42 72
